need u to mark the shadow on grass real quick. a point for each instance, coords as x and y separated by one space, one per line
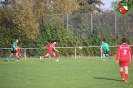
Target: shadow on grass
5 60
102 78
41 61
96 60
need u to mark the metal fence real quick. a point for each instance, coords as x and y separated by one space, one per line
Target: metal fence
24 51
82 24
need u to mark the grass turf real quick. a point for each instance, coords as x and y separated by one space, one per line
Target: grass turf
89 72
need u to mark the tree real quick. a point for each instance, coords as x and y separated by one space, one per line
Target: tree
64 6
4 3
89 5
23 16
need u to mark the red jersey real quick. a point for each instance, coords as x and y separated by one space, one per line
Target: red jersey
17 49
124 52
51 46
17 52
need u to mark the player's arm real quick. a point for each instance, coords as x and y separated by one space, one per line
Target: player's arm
130 53
14 46
117 55
47 46
55 49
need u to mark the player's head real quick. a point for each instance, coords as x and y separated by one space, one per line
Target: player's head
54 42
16 40
124 40
103 40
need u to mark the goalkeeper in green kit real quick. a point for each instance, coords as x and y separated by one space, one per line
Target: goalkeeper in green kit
13 50
105 48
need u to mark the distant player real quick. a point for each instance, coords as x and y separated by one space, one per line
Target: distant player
13 50
105 48
50 48
18 53
123 57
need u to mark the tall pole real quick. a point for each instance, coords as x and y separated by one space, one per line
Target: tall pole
115 25
91 22
67 21
42 20
25 54
75 53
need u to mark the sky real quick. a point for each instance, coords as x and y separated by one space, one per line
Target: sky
107 5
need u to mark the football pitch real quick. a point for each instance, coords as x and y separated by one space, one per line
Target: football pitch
88 72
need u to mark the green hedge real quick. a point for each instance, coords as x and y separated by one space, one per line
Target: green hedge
63 37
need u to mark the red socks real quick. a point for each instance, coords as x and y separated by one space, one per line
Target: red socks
126 77
122 75
43 56
55 57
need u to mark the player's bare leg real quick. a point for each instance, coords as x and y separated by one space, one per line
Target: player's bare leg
55 57
44 56
108 56
19 55
16 58
103 57
122 73
126 73
9 57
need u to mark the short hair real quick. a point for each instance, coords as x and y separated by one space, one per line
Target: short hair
53 41
103 40
124 40
16 40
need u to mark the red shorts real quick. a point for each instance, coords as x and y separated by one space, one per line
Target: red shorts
19 55
50 52
124 63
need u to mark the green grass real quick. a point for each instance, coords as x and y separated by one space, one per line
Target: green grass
89 72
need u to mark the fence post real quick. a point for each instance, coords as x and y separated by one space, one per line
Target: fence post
0 53
115 25
101 52
50 56
42 20
25 54
91 22
75 52
67 21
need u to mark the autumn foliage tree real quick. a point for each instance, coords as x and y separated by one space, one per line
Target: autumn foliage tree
23 16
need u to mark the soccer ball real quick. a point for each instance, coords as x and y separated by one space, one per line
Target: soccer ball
80 47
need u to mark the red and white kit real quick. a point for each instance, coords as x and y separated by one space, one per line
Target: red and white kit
50 47
124 54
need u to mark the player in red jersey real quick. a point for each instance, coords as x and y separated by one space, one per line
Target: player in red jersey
50 48
123 57
18 53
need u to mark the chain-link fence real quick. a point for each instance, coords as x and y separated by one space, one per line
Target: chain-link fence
83 24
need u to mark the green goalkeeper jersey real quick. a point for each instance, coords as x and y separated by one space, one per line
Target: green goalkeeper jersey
105 46
14 45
